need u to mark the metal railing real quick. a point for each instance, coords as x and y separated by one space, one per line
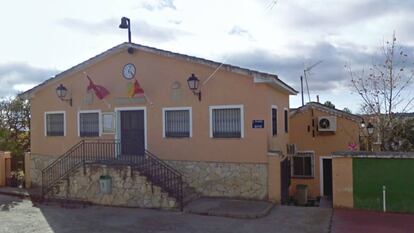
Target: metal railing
110 151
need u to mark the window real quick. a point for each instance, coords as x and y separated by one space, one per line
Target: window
286 121
108 122
226 121
55 123
177 122
89 124
303 163
274 120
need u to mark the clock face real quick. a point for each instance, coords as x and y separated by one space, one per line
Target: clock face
129 71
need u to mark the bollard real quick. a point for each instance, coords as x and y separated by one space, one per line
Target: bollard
384 206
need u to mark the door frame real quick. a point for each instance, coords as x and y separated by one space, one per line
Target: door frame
118 122
321 158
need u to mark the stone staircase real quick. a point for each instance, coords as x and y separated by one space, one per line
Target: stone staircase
137 180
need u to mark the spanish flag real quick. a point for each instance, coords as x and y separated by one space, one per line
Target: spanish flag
135 90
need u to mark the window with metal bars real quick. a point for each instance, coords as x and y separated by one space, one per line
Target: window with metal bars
89 124
303 164
55 124
274 121
177 123
226 123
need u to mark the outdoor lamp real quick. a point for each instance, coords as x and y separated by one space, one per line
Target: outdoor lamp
370 129
61 92
193 83
126 24
362 123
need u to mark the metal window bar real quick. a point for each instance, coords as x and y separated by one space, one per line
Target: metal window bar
89 124
54 124
177 123
303 164
226 123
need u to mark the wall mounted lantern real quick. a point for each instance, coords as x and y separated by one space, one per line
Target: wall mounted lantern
61 92
126 24
370 129
193 84
362 123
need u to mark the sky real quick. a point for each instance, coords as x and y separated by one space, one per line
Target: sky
44 37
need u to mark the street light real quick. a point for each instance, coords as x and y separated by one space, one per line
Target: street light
126 24
370 129
193 83
362 123
61 92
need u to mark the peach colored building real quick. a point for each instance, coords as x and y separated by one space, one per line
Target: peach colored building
227 143
318 131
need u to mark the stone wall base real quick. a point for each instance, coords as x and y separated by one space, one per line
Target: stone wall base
36 164
216 179
127 189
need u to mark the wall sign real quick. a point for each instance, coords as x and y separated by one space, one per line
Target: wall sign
258 124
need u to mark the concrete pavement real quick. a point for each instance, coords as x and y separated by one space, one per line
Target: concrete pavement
19 215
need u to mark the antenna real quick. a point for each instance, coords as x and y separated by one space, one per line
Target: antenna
306 72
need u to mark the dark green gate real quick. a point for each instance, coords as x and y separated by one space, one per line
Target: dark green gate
370 174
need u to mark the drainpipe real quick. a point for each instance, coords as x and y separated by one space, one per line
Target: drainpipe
384 206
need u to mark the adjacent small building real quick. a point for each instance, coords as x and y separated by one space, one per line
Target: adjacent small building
316 131
225 137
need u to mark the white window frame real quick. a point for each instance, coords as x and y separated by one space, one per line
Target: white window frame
271 120
99 119
64 122
177 108
212 107
112 131
312 165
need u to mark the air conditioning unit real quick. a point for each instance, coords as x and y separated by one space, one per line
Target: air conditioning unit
291 149
327 123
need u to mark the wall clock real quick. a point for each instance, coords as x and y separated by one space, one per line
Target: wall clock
129 71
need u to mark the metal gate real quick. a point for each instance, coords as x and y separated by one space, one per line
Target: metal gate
285 180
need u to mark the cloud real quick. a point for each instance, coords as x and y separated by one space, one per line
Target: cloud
17 77
238 31
159 5
139 28
326 76
341 13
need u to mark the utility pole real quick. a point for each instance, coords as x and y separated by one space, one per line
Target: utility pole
301 89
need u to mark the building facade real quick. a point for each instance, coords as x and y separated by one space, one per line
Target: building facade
223 143
317 131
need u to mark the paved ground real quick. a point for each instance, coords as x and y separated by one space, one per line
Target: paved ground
18 215
348 221
229 207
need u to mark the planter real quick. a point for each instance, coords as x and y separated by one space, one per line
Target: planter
105 184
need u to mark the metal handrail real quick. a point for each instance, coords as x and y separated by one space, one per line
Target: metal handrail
157 171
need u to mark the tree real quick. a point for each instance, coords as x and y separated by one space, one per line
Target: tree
347 110
383 90
329 104
14 126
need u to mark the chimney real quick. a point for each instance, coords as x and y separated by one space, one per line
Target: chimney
317 98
